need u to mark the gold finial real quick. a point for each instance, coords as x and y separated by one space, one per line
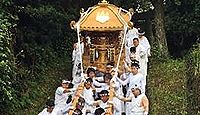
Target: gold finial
82 10
131 10
104 1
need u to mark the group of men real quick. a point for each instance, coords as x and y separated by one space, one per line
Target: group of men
129 86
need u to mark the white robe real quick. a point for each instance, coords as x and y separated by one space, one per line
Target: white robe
136 108
76 72
142 58
103 105
145 43
130 35
64 110
61 98
89 99
133 80
44 112
118 104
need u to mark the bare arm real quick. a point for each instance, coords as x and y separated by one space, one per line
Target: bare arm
145 103
124 98
66 91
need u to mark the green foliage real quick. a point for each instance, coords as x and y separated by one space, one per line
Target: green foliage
173 85
44 40
182 16
182 25
39 90
42 43
138 5
167 87
7 67
193 79
49 27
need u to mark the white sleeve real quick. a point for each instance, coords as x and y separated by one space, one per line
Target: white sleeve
147 43
66 108
99 78
99 89
117 106
142 52
73 55
148 47
60 90
89 102
43 111
96 83
142 84
122 82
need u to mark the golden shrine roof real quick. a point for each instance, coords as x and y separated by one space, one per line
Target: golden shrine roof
103 17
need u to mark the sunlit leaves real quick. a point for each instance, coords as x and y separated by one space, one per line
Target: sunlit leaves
7 72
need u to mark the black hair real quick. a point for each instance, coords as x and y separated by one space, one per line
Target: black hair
133 49
71 85
135 65
140 31
77 112
80 99
135 39
89 80
108 76
99 111
90 70
110 63
104 92
50 102
135 61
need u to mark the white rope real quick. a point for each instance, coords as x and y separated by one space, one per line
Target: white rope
79 41
123 41
79 44
80 50
122 46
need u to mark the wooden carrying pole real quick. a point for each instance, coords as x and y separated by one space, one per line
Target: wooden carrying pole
76 97
109 109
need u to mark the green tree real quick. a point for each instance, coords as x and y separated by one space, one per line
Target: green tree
160 37
182 25
7 62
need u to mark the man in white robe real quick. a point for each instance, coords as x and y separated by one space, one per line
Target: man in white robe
131 32
145 43
139 102
134 78
49 110
118 104
76 71
91 74
88 95
141 55
103 103
129 37
61 95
